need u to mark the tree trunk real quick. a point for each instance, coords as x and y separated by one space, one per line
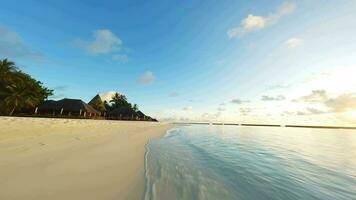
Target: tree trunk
12 111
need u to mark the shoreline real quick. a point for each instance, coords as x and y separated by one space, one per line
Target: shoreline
148 190
45 158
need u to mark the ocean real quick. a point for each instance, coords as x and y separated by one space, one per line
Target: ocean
251 163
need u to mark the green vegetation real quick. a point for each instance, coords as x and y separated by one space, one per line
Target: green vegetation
135 107
120 101
19 92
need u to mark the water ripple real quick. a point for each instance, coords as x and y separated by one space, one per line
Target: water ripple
251 163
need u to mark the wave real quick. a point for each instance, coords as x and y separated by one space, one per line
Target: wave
149 192
212 163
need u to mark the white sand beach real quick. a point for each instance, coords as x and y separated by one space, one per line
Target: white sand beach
73 159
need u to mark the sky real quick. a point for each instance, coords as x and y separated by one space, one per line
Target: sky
241 61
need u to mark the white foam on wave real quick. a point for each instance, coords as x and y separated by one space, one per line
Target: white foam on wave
147 177
150 191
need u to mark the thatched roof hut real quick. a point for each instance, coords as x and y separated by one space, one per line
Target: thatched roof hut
122 113
97 103
127 113
73 106
140 115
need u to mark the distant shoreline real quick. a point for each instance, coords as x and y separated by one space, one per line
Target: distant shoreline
269 125
74 117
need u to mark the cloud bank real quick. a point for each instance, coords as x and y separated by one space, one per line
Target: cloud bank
254 22
294 42
146 78
13 46
107 96
238 101
103 42
187 108
334 104
273 98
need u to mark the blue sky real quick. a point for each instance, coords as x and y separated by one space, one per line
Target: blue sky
234 60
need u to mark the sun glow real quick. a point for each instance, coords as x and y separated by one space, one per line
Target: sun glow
352 115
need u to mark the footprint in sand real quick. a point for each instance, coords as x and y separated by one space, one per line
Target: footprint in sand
42 144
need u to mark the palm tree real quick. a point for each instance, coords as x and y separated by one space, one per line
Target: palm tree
107 106
119 100
135 107
116 99
97 103
7 68
20 95
19 91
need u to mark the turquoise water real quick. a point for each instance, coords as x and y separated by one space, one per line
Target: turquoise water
251 163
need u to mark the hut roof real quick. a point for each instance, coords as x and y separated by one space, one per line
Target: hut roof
97 103
94 99
140 114
69 105
49 105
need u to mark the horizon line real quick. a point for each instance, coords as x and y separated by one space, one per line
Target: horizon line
268 125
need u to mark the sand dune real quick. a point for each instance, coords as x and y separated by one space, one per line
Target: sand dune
73 159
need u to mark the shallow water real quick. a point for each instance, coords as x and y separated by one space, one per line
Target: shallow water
252 163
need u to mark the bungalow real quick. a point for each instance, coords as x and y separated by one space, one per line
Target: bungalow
97 104
67 107
122 113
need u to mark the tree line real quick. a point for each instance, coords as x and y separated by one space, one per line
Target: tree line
19 92
117 101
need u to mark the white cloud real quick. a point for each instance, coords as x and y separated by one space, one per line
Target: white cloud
308 111
342 103
245 111
253 22
210 116
238 101
286 8
316 96
278 86
9 36
220 109
107 96
120 57
315 111
187 108
339 103
104 42
250 23
146 78
294 42
12 46
273 98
